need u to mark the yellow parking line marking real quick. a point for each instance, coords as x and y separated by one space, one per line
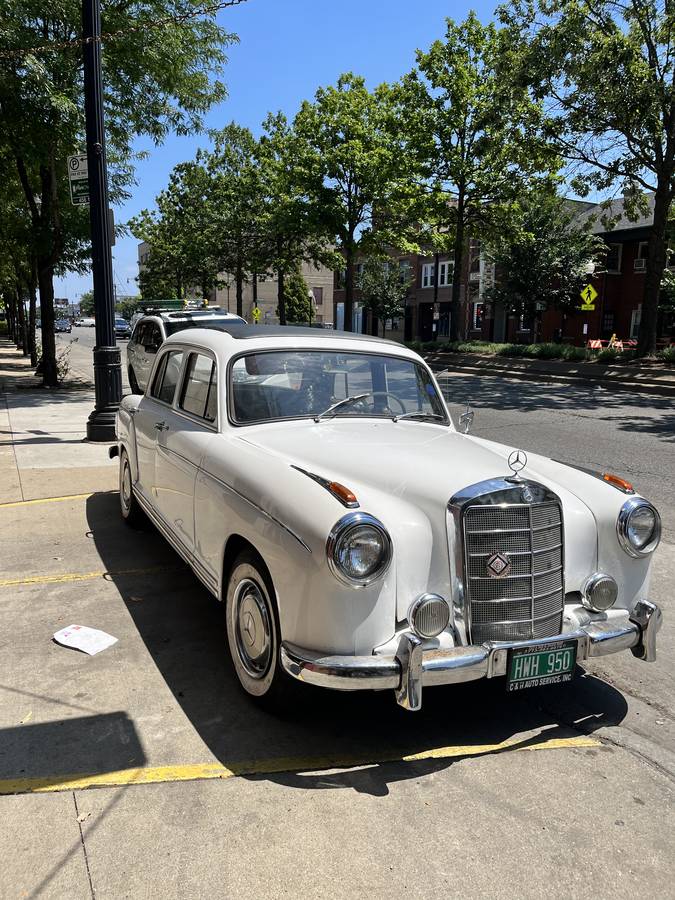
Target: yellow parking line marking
208 771
84 576
52 499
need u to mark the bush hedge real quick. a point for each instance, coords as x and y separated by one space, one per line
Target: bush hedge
536 351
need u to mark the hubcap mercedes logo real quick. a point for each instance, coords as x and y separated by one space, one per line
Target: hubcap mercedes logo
498 566
517 461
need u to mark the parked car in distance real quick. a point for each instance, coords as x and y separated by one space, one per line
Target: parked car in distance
63 325
152 329
122 328
317 486
86 322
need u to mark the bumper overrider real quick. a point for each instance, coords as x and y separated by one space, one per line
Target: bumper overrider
411 666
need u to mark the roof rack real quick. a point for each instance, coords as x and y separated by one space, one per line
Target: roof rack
151 307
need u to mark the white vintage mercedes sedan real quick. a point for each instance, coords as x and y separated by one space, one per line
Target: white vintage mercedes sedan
316 484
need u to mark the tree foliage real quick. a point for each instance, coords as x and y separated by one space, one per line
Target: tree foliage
299 308
544 259
157 80
475 131
383 290
353 167
606 71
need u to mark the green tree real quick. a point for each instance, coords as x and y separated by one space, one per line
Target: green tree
298 305
176 231
159 62
383 291
234 207
292 222
352 166
475 131
542 261
606 69
87 304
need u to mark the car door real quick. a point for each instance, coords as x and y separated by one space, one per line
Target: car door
150 418
189 428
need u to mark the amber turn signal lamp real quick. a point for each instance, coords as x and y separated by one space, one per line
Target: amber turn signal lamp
343 493
621 483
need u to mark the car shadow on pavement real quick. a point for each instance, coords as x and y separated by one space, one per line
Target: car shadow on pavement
182 627
50 753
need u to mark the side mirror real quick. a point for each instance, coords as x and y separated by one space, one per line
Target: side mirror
466 420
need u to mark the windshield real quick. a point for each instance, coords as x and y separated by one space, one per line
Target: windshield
293 384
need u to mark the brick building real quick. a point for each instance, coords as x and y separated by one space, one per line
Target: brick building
620 287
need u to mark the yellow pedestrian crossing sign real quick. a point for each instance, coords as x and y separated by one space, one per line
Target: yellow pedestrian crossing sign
256 313
588 295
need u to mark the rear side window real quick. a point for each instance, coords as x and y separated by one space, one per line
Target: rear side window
166 379
199 395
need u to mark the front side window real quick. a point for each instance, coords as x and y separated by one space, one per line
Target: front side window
305 383
166 379
199 397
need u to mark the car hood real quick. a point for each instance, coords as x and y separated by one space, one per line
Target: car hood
404 459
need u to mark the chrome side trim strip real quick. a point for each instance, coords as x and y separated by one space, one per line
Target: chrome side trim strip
263 512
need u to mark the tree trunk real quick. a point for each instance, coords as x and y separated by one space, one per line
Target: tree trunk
239 281
11 319
349 287
50 376
281 297
22 336
657 257
455 306
32 311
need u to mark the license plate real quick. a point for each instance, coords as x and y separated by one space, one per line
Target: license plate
540 664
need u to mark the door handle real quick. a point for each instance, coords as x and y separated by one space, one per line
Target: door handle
161 426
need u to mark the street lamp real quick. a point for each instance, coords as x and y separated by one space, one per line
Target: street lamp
107 364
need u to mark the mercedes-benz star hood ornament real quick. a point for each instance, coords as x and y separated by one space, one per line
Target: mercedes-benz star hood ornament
517 461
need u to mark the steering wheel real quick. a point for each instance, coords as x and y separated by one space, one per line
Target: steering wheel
383 394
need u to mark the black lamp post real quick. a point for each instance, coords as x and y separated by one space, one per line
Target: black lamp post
107 370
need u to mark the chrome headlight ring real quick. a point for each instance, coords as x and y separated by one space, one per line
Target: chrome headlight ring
341 531
628 510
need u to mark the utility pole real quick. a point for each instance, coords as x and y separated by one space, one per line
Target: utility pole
107 368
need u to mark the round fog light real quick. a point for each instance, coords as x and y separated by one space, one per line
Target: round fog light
429 615
599 592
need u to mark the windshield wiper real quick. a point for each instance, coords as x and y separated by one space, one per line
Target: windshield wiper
335 406
419 415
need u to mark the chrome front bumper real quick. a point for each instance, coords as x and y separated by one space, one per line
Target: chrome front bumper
411 666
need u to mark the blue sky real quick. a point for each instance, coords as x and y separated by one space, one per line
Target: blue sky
286 50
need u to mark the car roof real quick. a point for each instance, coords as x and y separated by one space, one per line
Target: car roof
229 340
189 315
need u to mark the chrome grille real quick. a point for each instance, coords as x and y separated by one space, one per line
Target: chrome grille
528 602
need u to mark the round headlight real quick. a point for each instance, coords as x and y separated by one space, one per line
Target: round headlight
638 527
600 592
358 549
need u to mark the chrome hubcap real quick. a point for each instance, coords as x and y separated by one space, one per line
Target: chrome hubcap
125 493
252 628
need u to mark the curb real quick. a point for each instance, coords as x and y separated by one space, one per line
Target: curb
617 383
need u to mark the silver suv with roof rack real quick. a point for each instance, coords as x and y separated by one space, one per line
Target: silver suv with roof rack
157 324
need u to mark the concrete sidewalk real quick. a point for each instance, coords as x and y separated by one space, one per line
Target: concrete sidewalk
648 378
43 447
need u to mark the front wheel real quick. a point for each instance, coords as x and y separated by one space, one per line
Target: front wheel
253 633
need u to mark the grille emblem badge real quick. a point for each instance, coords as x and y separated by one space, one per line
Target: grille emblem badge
498 566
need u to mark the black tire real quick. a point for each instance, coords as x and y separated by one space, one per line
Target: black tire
132 513
133 384
253 635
